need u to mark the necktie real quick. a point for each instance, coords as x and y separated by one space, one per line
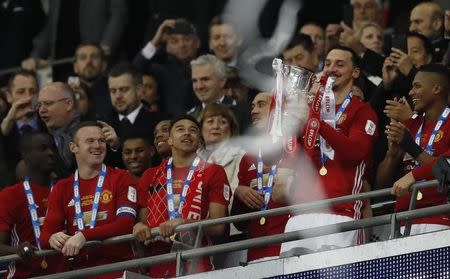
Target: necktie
125 122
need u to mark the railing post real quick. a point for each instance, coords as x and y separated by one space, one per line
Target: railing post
395 227
412 206
198 242
179 271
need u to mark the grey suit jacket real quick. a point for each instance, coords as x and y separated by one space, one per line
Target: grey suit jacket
101 21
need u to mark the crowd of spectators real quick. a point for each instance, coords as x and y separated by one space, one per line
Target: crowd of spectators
120 143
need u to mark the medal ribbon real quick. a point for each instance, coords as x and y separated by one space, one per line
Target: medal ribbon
429 147
77 199
169 182
32 208
266 191
276 129
337 118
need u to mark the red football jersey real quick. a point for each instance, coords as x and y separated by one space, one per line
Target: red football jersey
440 146
273 225
116 216
209 184
15 220
352 142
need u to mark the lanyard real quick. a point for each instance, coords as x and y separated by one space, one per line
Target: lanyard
169 182
77 202
429 147
32 208
266 191
340 112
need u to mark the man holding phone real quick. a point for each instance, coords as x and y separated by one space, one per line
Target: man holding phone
168 55
22 118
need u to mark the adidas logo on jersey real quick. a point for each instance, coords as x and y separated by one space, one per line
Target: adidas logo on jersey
252 167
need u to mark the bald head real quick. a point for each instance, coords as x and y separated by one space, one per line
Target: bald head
260 110
56 104
60 88
427 19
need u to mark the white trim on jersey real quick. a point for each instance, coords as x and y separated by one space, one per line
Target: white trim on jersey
357 186
15 240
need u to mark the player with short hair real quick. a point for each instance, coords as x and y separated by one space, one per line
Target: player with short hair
182 190
95 203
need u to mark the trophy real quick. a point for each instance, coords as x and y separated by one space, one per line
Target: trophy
292 96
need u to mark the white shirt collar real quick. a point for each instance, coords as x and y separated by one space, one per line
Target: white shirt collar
217 102
132 115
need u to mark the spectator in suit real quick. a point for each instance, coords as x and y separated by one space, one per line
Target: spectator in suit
90 66
22 117
208 80
427 18
57 109
129 113
224 42
301 52
317 34
167 56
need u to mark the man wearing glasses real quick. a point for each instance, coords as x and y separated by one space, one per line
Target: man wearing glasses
56 107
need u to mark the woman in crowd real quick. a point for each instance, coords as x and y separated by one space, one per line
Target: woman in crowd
370 35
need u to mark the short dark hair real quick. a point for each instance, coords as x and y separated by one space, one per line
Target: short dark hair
182 26
214 109
27 139
84 124
438 69
425 41
124 68
355 58
184 117
137 135
21 72
94 44
301 39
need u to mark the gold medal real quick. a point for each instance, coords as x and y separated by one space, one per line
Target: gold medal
419 196
172 237
262 221
44 264
323 171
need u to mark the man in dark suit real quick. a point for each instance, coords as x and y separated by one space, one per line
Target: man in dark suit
209 75
90 66
167 57
22 117
129 115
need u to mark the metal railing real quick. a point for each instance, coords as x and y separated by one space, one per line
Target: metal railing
179 257
50 63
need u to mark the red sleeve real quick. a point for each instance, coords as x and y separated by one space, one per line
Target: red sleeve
126 200
360 138
142 189
425 172
219 188
7 209
245 177
55 219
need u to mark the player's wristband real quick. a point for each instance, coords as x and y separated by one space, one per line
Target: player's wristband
408 144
